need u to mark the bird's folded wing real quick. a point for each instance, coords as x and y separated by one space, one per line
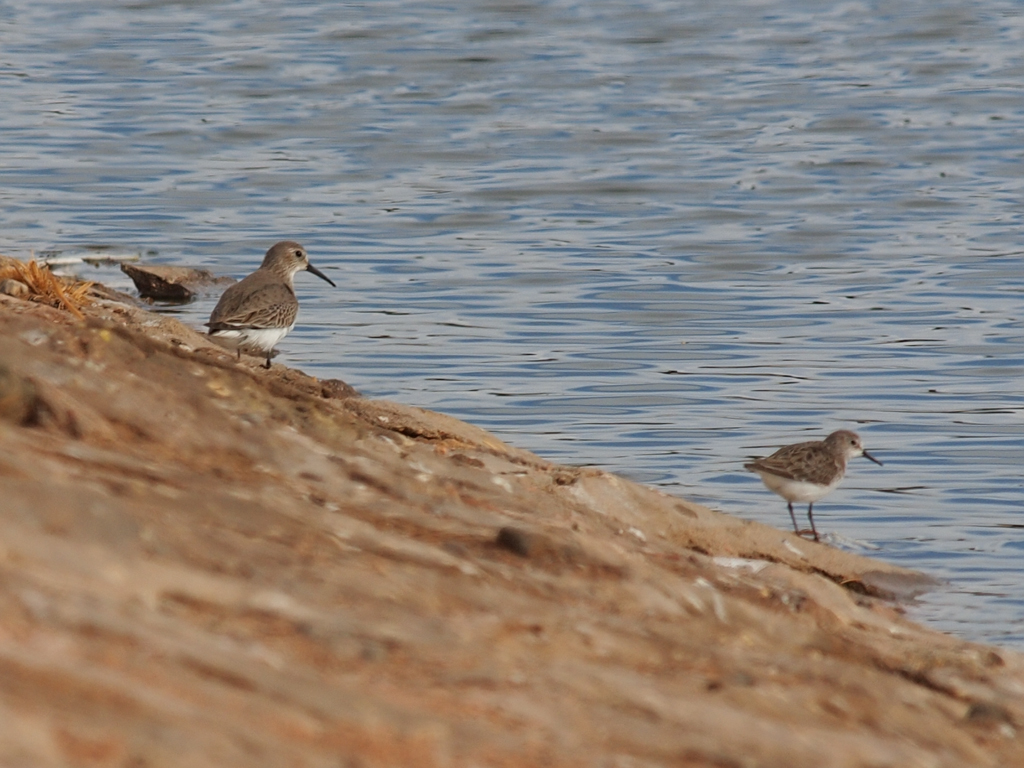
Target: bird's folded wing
778 468
270 306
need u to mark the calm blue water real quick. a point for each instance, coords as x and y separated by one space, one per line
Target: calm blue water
656 237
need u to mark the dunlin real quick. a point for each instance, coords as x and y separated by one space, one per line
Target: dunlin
809 471
257 312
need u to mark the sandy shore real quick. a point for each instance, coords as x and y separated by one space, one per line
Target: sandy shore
206 563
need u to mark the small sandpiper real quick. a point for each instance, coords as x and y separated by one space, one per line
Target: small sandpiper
257 312
809 471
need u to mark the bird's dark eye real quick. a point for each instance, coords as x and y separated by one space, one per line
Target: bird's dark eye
298 254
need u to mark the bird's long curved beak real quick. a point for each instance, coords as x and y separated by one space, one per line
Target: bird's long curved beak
867 455
321 275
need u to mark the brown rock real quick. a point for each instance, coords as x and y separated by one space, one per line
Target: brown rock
336 388
166 283
206 563
19 401
514 540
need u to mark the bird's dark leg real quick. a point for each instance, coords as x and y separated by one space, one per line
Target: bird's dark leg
810 516
793 518
239 351
267 364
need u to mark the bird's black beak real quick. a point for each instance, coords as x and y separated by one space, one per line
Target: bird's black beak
322 276
867 455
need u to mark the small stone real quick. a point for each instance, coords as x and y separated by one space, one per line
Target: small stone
987 713
16 288
469 461
336 389
166 283
514 540
19 400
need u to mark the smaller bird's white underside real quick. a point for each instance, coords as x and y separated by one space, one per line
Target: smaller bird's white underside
797 490
262 339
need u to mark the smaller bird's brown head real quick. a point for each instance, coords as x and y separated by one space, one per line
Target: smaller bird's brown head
848 443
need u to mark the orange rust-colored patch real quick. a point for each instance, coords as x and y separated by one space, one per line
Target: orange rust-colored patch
46 287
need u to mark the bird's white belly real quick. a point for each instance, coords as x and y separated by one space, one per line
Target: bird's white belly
261 339
797 490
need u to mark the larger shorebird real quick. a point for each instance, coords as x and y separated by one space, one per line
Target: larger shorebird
257 312
809 471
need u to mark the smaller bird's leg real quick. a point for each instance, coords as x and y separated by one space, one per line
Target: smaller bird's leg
793 518
267 364
810 516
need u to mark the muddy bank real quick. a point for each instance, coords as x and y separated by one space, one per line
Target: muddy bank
206 563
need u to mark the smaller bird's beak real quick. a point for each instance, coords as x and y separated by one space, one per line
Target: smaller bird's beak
318 273
867 455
